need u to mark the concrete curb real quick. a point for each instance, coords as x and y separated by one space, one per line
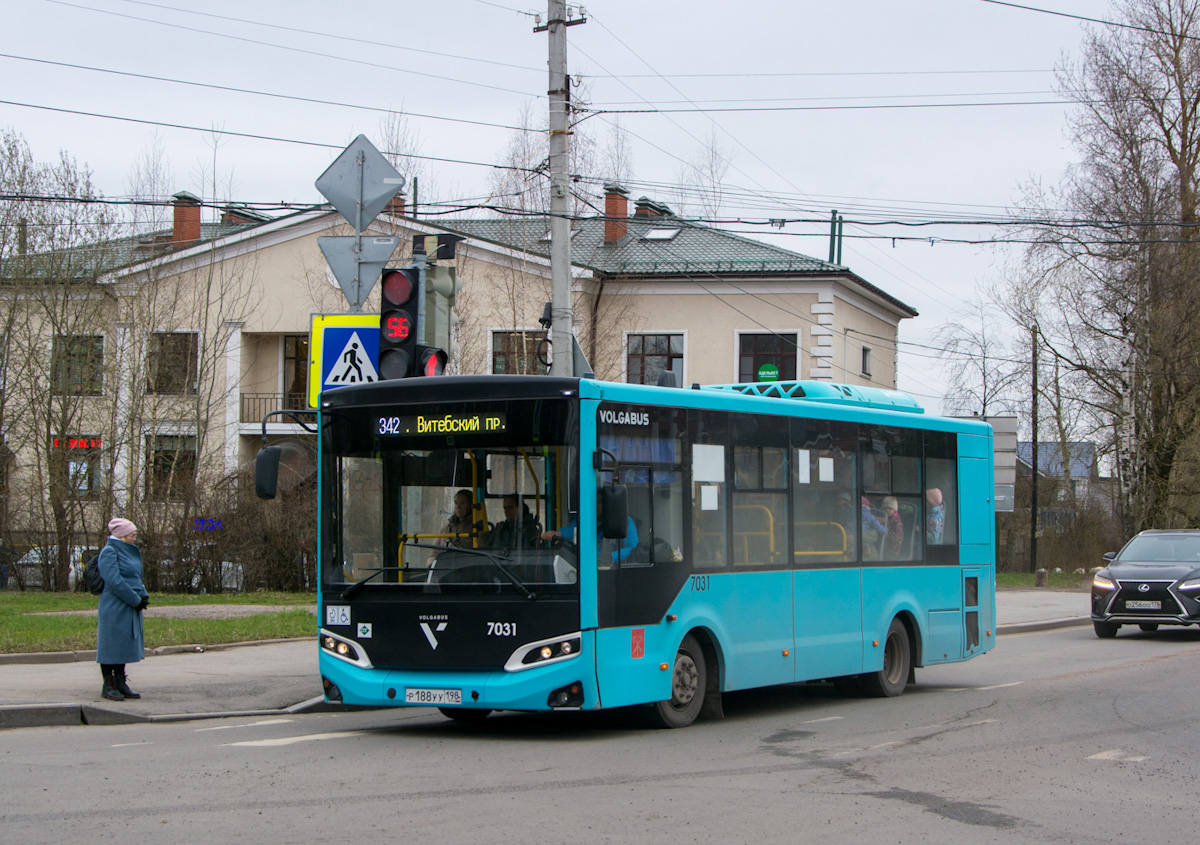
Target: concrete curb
67 715
1047 625
64 714
90 656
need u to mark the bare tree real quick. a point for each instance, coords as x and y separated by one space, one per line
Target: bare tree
983 373
51 246
701 180
1119 311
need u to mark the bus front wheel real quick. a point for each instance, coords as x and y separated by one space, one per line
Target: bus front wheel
897 663
689 678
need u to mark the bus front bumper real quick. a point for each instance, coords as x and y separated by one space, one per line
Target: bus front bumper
566 685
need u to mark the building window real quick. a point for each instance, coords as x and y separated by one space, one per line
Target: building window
77 365
652 354
866 361
515 353
170 466
171 368
295 370
766 357
81 461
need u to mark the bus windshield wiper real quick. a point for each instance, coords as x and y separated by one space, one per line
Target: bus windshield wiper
495 559
353 588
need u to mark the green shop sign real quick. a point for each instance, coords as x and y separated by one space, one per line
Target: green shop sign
768 372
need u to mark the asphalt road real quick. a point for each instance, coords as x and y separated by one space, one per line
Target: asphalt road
1053 737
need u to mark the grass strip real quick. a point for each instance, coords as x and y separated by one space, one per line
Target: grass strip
1055 580
23 630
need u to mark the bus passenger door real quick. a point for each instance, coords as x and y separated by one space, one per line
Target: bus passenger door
828 622
971 616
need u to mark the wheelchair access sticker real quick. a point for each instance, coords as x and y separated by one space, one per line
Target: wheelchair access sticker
337 614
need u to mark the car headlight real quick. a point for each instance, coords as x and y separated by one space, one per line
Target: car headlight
1190 584
1103 582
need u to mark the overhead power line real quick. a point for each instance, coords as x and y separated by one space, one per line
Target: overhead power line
300 50
850 107
259 93
405 47
814 73
257 137
1100 21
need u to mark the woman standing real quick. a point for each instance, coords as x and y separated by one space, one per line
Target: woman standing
119 618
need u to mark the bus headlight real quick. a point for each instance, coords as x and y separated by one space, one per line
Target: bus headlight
543 652
344 649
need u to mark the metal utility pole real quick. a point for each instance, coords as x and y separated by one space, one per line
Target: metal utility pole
560 194
1033 504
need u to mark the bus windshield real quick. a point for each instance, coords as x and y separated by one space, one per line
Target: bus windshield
451 498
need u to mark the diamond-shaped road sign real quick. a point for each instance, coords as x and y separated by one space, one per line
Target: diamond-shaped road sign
360 183
356 263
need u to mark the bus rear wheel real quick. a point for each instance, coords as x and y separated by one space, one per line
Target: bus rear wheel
897 663
689 678
464 714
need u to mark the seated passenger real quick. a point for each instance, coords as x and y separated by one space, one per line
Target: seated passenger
459 528
935 522
518 530
895 529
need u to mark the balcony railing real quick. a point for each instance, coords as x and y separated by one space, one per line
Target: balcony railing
255 406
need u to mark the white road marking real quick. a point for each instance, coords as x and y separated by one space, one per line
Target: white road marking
826 719
127 744
292 740
1118 755
247 725
883 744
1001 686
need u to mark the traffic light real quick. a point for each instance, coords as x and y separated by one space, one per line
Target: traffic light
398 323
431 361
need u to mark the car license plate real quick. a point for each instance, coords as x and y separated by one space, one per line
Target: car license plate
418 695
1143 605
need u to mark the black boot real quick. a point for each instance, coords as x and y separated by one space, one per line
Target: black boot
120 682
109 690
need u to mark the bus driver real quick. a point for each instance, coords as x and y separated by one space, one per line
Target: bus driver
623 551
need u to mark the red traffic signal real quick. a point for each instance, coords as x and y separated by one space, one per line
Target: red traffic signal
398 323
431 361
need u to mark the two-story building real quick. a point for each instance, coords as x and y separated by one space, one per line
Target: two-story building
174 345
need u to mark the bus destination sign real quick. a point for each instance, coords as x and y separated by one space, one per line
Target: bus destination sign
489 423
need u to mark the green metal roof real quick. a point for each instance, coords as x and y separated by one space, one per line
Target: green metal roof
694 253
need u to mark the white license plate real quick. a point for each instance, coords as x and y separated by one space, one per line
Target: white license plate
417 695
1143 605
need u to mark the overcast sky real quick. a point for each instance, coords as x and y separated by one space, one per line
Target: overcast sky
891 107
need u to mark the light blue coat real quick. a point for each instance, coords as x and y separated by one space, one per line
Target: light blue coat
118 625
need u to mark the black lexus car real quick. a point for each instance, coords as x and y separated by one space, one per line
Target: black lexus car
1154 580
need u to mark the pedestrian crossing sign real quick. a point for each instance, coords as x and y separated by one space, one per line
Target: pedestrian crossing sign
343 349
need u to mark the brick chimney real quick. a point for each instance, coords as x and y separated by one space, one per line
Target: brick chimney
646 207
616 213
187 219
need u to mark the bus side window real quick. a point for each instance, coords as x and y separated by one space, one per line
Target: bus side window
940 502
709 491
824 513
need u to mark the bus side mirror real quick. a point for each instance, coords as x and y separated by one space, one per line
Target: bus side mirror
266 471
615 525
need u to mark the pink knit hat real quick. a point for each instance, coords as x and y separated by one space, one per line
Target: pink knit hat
119 528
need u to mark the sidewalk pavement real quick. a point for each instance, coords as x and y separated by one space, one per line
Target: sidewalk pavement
280 677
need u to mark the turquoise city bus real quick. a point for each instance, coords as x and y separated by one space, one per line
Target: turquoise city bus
536 543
